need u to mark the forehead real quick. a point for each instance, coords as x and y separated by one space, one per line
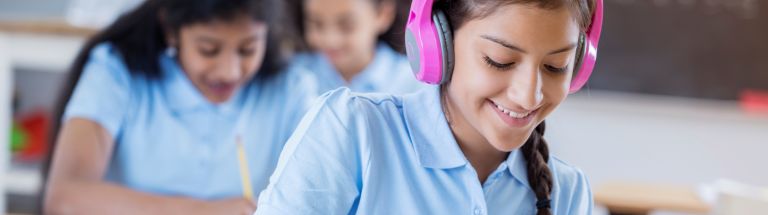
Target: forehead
336 6
234 27
526 24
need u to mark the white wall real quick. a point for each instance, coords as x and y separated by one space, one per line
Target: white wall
657 139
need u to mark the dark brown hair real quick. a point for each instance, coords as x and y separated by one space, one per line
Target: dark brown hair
535 150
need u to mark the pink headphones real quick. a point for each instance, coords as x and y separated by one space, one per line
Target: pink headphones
428 41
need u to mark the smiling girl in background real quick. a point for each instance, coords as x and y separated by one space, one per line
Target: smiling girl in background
157 103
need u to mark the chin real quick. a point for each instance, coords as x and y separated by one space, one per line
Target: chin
507 146
218 99
510 141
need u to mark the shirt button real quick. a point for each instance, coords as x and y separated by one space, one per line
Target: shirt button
478 211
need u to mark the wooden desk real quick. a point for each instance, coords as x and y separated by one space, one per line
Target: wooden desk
639 198
48 27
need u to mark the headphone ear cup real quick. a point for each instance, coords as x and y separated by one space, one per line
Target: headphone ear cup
445 35
580 50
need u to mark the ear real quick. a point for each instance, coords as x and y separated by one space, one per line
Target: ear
385 16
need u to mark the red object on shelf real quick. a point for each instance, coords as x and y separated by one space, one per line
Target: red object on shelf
36 125
754 101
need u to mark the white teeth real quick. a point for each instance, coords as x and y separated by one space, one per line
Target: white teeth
511 113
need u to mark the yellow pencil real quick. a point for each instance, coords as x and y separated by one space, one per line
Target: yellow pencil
244 175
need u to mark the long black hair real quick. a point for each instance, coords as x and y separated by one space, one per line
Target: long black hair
140 37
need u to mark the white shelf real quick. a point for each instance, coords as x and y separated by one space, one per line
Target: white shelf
23 181
42 52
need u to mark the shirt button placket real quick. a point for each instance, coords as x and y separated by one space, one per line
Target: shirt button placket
478 211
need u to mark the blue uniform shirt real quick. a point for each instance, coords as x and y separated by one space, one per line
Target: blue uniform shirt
389 72
379 154
170 140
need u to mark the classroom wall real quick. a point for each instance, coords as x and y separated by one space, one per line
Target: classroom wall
32 9
643 138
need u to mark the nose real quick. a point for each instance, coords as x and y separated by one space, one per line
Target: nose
330 39
228 69
525 88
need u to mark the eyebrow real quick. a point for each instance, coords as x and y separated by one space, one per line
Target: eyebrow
249 40
208 39
513 47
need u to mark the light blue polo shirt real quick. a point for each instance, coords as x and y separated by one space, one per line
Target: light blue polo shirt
389 72
379 154
170 140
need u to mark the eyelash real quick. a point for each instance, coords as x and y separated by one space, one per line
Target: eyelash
210 52
555 69
246 52
499 66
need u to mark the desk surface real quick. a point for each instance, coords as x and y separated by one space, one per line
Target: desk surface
639 198
50 27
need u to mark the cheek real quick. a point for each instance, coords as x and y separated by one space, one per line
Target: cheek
555 90
477 79
363 33
556 85
313 38
474 83
195 65
359 40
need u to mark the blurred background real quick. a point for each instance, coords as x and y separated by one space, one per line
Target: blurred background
673 121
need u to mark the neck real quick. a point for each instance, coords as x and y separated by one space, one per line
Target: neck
476 148
355 66
349 72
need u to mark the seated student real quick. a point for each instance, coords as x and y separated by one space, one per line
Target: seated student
160 100
474 144
352 44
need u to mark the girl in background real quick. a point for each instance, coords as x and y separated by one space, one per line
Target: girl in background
353 43
156 106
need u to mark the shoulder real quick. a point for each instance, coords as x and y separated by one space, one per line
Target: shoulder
356 102
291 84
105 63
106 53
354 113
572 188
566 174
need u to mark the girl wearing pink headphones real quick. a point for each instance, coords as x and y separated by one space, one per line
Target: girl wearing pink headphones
471 145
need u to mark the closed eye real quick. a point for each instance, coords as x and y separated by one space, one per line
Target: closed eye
497 65
210 53
555 69
245 52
